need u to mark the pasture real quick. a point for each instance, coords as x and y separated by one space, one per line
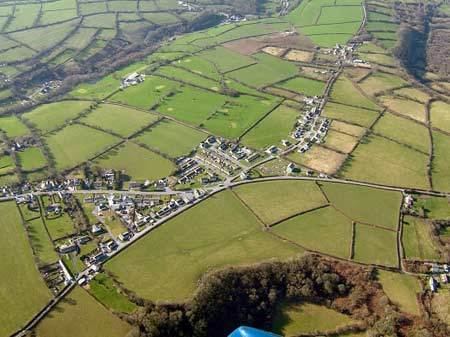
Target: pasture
171 138
303 85
375 245
349 129
404 131
13 127
340 141
363 204
353 115
119 120
440 115
272 129
344 92
382 161
414 94
136 162
185 76
48 117
294 319
147 94
75 144
23 291
401 289
216 233
417 240
41 242
440 168
31 159
273 201
380 81
81 315
433 207
324 230
405 107
60 226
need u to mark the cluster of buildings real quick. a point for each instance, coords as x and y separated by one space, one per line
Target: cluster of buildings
344 53
439 276
310 128
132 79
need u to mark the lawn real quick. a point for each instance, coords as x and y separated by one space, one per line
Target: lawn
365 204
269 69
171 138
375 246
440 115
220 231
272 129
340 141
404 131
76 144
103 289
324 230
379 81
80 315
350 114
273 201
401 289
417 240
136 162
147 94
31 159
13 127
440 167
48 117
382 161
237 115
118 119
22 290
405 107
192 105
304 86
60 226
344 92
41 242
295 319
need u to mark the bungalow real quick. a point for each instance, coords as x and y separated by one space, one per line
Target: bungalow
67 248
291 168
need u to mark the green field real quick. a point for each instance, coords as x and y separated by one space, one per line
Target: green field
344 92
268 70
440 116
218 232
103 289
13 127
48 117
375 245
401 289
6 164
404 131
31 159
136 162
381 82
76 144
81 315
180 74
405 107
294 319
273 201
382 161
350 114
340 141
171 138
303 85
417 240
41 242
60 226
118 119
272 129
364 204
440 168
226 60
324 230
22 289
434 207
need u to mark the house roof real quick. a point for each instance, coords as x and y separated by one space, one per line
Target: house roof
245 331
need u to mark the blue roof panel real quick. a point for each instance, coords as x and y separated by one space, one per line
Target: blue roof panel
246 331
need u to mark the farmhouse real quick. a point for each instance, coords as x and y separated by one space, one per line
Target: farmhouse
132 79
